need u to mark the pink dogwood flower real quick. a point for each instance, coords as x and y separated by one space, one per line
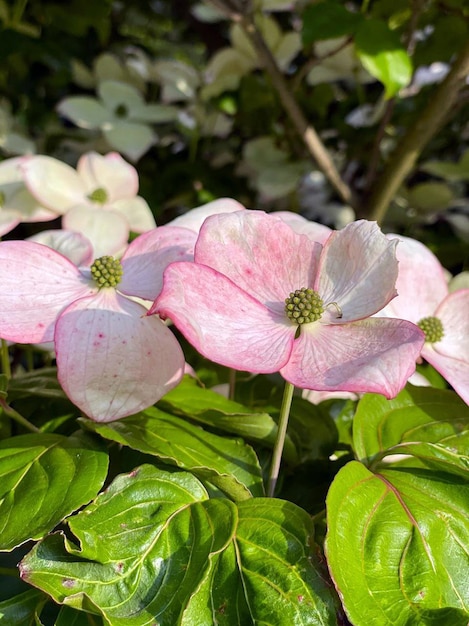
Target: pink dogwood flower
99 199
112 359
262 298
424 299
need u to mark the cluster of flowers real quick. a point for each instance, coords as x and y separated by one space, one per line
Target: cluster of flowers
253 291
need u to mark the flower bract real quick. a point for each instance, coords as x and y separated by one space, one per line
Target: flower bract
424 299
112 359
230 303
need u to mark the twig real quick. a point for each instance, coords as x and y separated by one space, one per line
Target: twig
311 139
417 137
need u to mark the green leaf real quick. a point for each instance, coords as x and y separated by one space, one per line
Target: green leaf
312 429
44 478
437 457
154 549
383 56
430 196
328 20
212 409
229 464
447 170
417 414
71 617
397 546
21 610
41 383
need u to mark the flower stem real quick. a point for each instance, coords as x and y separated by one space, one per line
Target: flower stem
231 383
280 441
6 368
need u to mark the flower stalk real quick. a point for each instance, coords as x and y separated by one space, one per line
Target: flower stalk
280 441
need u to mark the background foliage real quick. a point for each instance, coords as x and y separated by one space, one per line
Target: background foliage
161 515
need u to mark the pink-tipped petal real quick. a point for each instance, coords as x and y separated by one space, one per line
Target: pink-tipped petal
374 355
455 371
194 218
149 255
453 312
136 212
421 283
112 359
110 172
221 321
316 232
358 270
261 254
54 184
107 231
72 245
37 284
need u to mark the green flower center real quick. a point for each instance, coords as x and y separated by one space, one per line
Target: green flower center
433 329
106 271
98 195
304 306
121 111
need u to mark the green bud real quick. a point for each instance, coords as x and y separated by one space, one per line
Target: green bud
433 329
99 196
304 306
106 271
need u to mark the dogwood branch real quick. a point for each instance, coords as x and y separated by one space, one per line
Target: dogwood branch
408 150
241 13
310 137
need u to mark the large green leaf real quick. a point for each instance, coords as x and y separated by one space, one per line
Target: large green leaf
229 464
44 478
397 546
417 414
213 409
154 549
383 56
21 610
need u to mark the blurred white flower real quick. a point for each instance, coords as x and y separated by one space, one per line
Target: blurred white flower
122 115
99 199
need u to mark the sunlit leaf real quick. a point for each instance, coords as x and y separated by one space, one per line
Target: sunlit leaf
397 546
154 549
417 414
44 478
230 464
383 56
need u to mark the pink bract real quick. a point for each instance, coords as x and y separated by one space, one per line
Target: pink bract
423 292
112 359
230 303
